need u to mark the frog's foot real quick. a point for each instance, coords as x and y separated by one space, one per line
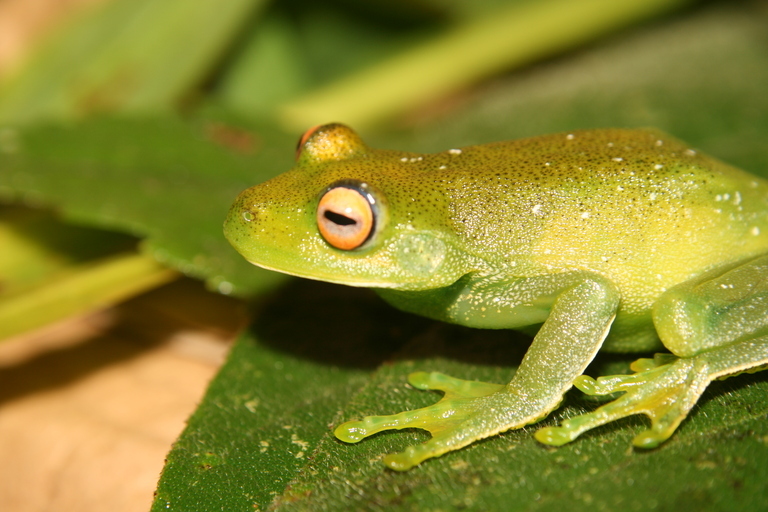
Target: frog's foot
470 410
664 389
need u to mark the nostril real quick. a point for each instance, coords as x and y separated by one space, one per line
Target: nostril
248 215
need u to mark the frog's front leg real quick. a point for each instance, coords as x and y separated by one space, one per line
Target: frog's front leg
716 325
581 309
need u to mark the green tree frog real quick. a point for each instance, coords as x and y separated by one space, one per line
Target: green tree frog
614 239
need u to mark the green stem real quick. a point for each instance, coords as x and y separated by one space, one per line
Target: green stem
510 37
95 286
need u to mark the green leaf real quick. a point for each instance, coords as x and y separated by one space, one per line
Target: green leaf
274 399
262 436
162 179
124 55
715 462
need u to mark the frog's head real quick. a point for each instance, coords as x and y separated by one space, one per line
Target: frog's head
347 214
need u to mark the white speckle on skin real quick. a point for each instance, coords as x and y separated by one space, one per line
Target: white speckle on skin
443 167
570 136
620 188
755 231
536 209
454 151
659 142
737 198
652 196
617 159
658 167
585 215
690 152
404 159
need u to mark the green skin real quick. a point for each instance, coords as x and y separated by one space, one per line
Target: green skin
620 240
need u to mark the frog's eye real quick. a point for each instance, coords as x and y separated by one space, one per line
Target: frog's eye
346 216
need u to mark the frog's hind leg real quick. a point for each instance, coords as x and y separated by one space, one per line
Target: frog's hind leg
715 325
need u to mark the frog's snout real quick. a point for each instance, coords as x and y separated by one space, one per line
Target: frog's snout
240 220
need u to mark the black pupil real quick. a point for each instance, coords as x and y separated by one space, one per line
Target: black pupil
339 219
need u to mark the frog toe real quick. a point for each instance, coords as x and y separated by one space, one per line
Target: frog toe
655 435
427 418
415 454
404 460
451 386
357 430
572 428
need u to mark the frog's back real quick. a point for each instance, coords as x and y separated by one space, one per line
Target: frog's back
636 205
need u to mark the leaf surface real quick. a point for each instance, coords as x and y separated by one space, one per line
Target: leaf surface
162 179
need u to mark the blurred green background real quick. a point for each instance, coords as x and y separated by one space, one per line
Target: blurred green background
128 126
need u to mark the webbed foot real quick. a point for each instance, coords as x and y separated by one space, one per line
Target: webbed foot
470 410
664 388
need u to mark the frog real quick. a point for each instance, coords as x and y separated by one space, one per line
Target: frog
620 240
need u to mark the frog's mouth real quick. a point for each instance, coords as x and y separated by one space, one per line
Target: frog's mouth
329 278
